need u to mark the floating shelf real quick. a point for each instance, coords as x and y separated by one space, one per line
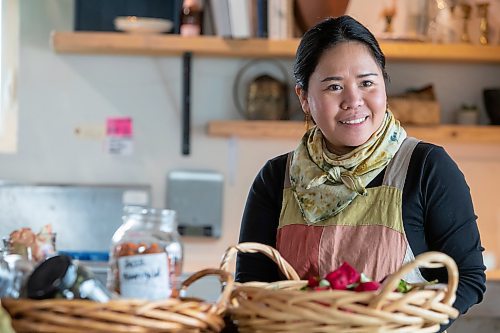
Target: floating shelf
295 130
164 44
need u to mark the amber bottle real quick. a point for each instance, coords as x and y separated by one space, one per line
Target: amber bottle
191 18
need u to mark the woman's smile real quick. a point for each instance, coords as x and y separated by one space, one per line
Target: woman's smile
355 121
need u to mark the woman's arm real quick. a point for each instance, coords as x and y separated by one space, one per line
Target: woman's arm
260 222
449 224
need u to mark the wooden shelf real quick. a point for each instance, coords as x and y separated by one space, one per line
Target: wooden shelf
162 44
295 130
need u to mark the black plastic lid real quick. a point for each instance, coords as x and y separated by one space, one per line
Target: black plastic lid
50 277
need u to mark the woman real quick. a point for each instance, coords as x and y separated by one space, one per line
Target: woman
356 188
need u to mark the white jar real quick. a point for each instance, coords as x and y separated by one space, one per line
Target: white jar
468 116
146 254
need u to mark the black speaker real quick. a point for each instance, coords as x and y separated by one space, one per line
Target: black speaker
492 104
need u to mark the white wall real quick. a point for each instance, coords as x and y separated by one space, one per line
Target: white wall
60 92
9 61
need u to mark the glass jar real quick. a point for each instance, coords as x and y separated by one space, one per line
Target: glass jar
146 254
7 278
14 272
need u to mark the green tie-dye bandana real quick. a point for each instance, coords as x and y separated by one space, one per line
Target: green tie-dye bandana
325 183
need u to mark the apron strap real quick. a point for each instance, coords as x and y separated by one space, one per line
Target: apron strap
395 173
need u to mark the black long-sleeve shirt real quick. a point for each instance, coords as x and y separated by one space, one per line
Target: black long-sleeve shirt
437 215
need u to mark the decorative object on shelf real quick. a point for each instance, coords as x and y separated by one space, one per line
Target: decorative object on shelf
388 13
310 12
191 17
468 115
442 26
465 10
416 107
492 104
142 25
482 12
266 95
416 20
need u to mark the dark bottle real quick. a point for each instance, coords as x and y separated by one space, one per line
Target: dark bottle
191 17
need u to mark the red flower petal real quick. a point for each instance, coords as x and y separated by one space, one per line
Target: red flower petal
368 286
313 282
343 276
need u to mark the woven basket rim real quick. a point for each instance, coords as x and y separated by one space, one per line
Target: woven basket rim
184 314
280 306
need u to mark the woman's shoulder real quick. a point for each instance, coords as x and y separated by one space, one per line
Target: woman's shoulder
276 164
426 153
279 160
273 171
433 160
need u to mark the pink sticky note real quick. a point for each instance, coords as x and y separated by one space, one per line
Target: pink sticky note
119 127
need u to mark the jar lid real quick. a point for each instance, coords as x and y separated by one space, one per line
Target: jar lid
51 276
167 218
134 209
162 212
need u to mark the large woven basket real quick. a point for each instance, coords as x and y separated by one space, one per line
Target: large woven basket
175 314
282 307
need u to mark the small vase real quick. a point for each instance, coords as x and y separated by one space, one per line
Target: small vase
388 24
482 10
465 11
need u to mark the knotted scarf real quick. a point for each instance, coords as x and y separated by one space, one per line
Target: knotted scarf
324 183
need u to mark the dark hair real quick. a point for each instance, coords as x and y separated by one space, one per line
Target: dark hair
326 34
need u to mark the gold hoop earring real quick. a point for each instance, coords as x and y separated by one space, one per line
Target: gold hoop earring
307 119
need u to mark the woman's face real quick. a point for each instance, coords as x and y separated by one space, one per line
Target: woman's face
346 96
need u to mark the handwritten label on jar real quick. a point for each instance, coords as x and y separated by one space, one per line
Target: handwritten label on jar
144 276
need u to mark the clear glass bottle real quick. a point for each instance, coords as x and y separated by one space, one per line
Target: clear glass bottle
146 254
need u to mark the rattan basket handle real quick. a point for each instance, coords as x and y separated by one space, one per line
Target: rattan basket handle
268 251
427 260
226 280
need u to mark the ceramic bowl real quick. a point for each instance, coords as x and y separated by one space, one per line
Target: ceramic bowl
142 25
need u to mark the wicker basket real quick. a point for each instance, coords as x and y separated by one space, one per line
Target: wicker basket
82 316
282 307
